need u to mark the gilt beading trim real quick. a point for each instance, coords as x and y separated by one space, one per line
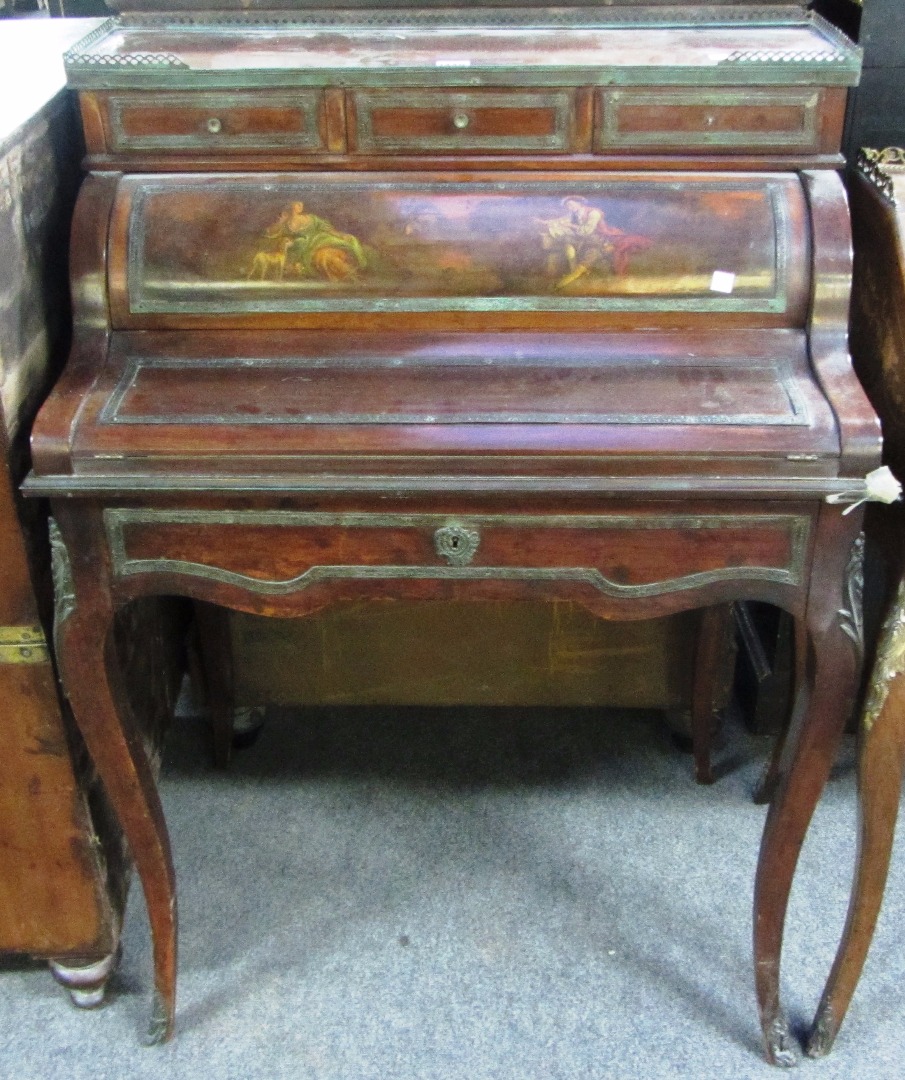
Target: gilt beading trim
63 586
850 615
890 662
876 165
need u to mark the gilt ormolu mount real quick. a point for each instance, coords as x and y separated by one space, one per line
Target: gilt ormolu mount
570 286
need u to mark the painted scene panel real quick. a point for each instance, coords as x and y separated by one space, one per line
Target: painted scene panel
220 246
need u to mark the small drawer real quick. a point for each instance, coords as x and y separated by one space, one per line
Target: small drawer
219 123
709 120
443 121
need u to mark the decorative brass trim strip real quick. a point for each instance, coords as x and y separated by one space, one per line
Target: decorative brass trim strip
23 645
75 52
788 13
304 101
127 60
779 56
764 74
117 520
367 101
679 487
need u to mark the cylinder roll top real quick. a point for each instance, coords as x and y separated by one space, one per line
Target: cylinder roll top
434 251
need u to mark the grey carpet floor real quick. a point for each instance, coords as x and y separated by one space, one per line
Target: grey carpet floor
470 894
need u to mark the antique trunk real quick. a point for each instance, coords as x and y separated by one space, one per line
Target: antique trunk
483 305
54 894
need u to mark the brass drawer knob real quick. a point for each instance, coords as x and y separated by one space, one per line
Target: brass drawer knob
214 125
461 120
456 544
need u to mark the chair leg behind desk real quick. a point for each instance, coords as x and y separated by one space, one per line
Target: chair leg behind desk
710 666
218 675
766 786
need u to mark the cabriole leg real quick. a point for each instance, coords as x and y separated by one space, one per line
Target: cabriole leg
881 759
834 628
91 679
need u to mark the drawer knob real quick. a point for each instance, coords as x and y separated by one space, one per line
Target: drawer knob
456 544
214 125
461 120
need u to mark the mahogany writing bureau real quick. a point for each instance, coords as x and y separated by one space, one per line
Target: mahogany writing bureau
461 303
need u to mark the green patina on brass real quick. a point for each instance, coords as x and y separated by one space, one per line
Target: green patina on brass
833 61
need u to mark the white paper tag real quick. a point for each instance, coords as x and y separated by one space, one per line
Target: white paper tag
722 282
879 486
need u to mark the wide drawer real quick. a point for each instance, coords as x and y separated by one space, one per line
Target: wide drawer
624 553
452 121
714 119
233 122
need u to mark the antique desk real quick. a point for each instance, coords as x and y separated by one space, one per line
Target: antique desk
478 303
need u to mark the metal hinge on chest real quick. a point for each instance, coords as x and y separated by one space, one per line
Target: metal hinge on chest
23 645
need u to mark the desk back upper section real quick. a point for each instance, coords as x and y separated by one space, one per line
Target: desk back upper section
355 86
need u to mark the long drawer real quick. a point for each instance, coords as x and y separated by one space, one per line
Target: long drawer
624 553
